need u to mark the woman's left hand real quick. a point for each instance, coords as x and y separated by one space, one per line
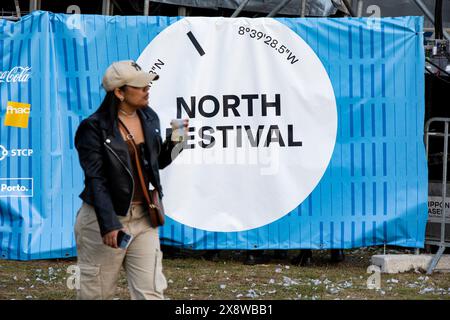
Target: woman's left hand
110 239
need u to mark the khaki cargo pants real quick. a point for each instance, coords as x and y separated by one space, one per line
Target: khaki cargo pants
100 264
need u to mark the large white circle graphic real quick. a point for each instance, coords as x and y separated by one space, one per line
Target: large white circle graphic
262 114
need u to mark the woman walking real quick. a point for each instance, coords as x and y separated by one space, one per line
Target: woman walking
121 151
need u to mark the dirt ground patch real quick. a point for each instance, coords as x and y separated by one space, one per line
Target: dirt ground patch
191 276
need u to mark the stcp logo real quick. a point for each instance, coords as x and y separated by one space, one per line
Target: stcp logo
3 152
14 152
17 114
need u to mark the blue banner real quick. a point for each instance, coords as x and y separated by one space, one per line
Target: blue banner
373 189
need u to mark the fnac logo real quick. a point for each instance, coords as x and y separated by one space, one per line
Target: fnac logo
17 114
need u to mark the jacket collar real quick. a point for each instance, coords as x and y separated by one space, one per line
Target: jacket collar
105 120
116 141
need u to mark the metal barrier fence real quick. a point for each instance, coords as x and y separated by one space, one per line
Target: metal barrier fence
445 135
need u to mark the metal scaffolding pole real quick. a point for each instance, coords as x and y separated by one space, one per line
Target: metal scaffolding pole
182 11
106 7
348 7
278 8
429 15
303 12
16 2
240 8
359 8
146 7
35 5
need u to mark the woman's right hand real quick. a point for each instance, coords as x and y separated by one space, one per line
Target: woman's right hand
110 239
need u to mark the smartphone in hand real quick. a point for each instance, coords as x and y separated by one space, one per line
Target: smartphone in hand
123 239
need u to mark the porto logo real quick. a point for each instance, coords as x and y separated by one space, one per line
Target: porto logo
16 74
262 113
16 187
17 114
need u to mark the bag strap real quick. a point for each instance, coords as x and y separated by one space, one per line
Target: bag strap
131 142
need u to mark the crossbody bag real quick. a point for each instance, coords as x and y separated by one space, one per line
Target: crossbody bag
155 206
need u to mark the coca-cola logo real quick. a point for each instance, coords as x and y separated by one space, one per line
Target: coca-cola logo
16 74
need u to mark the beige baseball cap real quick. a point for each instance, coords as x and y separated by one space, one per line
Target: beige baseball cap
126 72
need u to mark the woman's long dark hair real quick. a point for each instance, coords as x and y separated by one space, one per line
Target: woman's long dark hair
109 106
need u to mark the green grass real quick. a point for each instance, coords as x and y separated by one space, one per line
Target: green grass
192 277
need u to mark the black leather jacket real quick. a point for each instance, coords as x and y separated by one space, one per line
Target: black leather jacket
106 163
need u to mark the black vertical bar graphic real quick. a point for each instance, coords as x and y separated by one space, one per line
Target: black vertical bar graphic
195 43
